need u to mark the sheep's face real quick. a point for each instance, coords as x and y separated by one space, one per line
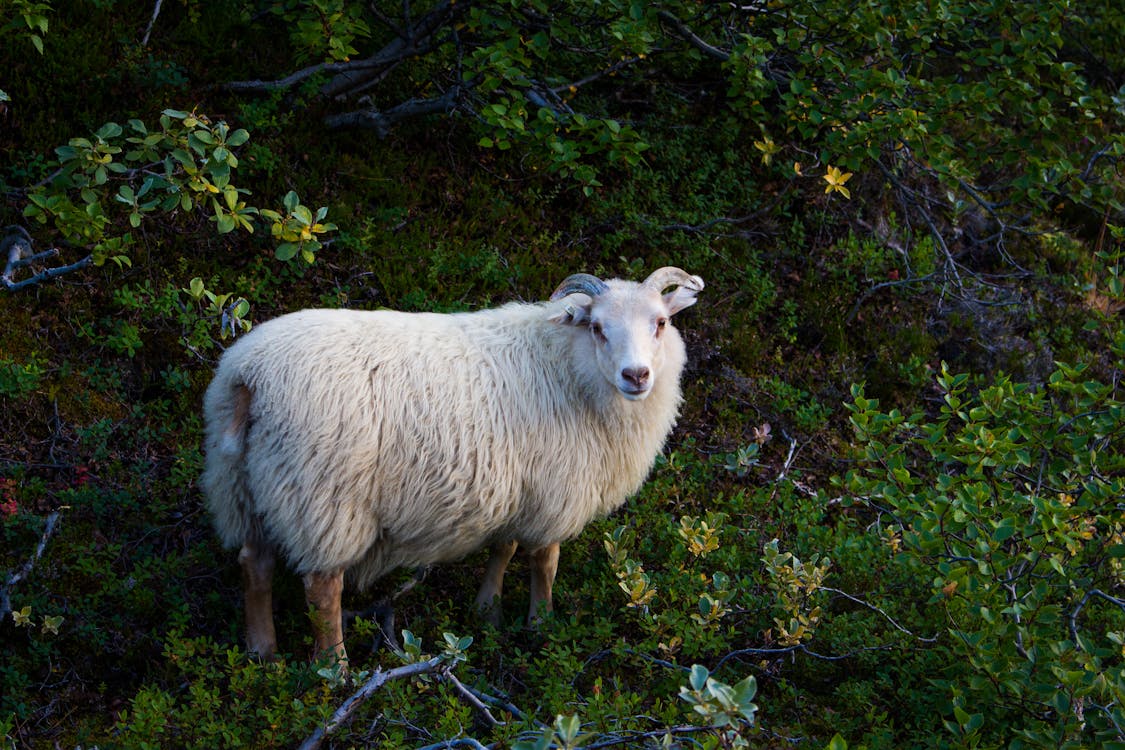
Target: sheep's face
627 323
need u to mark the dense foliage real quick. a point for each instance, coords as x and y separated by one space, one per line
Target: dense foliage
891 514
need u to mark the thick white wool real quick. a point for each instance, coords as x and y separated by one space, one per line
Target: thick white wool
382 439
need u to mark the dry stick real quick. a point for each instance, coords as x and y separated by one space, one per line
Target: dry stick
470 697
151 22
501 704
17 243
462 741
872 607
19 575
49 273
351 705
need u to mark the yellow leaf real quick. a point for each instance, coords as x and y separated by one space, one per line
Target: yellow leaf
23 617
836 179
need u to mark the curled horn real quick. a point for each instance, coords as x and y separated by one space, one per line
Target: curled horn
662 278
580 282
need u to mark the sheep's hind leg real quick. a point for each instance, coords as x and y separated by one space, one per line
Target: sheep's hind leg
323 592
488 600
544 565
257 562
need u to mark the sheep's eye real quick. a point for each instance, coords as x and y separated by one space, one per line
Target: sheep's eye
660 324
596 329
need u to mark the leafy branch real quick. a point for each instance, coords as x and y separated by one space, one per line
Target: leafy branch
110 183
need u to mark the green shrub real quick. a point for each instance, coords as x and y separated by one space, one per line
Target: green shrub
1009 500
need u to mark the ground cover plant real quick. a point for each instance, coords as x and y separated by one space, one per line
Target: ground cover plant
891 513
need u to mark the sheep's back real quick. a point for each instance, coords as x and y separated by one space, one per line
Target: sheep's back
371 431
382 439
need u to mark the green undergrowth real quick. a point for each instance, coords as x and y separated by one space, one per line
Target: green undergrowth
739 555
889 515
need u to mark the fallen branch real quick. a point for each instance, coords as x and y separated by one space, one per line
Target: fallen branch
354 75
470 697
17 246
23 572
382 121
151 23
344 713
460 742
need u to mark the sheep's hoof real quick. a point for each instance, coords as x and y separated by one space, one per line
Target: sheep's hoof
383 613
490 611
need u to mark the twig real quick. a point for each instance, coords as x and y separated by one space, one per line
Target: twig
469 697
49 273
633 738
382 121
798 648
883 285
607 71
412 41
1085 598
459 742
296 77
19 575
351 705
695 40
151 22
501 704
872 607
788 459
17 245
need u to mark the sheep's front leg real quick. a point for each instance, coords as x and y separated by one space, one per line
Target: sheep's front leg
323 592
488 599
257 561
544 565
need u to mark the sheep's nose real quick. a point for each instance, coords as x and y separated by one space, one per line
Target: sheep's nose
638 376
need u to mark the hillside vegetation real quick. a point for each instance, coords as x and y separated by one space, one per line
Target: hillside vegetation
891 514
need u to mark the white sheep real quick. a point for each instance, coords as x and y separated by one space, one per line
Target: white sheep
362 441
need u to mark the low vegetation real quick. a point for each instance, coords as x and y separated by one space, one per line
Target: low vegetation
891 513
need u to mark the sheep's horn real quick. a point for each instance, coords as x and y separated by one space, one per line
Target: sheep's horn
580 282
662 278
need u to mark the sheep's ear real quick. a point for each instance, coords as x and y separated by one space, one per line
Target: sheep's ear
573 313
680 298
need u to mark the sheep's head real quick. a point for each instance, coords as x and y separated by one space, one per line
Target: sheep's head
628 322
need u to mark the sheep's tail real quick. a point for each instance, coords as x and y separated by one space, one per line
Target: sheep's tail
227 413
232 442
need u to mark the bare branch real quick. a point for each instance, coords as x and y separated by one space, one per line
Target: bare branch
17 245
461 742
25 571
355 74
607 71
151 22
469 697
293 79
382 121
1078 609
415 39
873 608
344 713
694 40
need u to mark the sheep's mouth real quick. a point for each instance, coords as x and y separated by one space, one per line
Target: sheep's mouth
634 394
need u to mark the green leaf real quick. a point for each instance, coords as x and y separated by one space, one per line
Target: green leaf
286 251
699 675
